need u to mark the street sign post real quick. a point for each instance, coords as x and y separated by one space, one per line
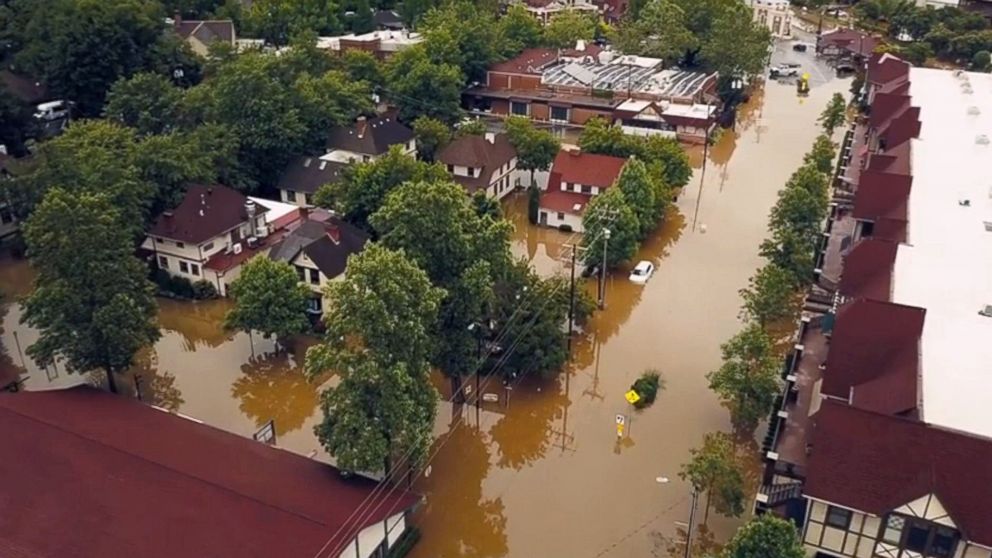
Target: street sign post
632 397
621 422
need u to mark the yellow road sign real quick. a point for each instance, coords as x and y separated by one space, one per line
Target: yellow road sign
632 397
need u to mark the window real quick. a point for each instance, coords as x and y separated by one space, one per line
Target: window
565 186
559 113
561 216
308 199
194 269
519 109
314 277
944 540
208 246
301 273
366 158
5 216
586 189
163 262
893 529
314 305
287 196
180 244
838 517
183 267
451 169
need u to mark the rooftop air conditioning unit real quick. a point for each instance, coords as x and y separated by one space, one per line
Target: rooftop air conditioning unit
986 311
237 248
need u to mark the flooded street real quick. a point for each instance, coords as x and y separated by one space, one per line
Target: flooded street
544 476
548 477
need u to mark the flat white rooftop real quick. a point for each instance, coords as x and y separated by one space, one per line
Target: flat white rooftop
946 264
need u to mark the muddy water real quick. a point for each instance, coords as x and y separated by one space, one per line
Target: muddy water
547 477
225 379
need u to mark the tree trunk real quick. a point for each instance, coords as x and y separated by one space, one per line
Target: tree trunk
111 382
706 515
456 389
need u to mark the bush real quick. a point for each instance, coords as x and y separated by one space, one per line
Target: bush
647 387
533 204
204 290
565 228
170 286
981 61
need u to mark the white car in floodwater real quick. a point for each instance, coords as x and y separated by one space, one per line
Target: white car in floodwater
642 272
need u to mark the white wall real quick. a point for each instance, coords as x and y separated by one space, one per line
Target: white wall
554 219
372 536
639 131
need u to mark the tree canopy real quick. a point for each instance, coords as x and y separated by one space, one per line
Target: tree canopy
277 21
536 149
609 211
712 468
770 295
268 298
748 378
834 115
567 27
92 303
764 536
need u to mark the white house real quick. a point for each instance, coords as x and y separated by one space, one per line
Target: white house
304 176
209 235
319 249
483 163
575 179
776 15
368 139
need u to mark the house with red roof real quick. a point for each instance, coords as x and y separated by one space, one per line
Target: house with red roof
97 475
575 179
213 231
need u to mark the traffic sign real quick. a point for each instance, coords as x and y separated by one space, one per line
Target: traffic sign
621 420
632 397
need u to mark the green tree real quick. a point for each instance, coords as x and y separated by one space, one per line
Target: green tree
536 149
385 306
764 536
799 211
567 27
713 469
736 46
363 19
15 122
639 191
667 152
659 31
471 127
92 304
834 115
982 61
432 136
917 53
362 65
147 102
332 99
462 34
599 136
79 48
609 211
268 298
791 251
169 162
412 11
363 187
821 156
420 87
748 378
276 21
517 30
769 296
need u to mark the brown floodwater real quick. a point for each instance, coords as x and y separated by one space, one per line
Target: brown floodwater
541 474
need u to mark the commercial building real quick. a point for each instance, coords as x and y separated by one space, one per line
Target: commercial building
776 15
382 43
95 474
879 443
570 87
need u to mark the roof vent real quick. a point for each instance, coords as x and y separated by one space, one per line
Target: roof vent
974 111
986 311
988 226
966 89
307 162
982 139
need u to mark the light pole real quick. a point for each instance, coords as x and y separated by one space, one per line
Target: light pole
602 270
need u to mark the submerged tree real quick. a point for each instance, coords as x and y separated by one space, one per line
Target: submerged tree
765 536
536 149
769 296
269 298
713 469
834 115
748 378
92 302
609 211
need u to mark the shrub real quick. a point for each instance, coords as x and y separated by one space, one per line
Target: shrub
565 228
981 61
204 290
647 387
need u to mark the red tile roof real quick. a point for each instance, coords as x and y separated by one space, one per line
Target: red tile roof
205 212
531 61
887 105
882 194
884 68
564 202
874 356
587 168
104 475
895 160
868 269
877 463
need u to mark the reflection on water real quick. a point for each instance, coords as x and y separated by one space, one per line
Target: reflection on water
545 475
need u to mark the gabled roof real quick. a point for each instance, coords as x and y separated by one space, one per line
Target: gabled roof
531 61
327 241
587 168
205 212
369 136
868 270
854 42
388 19
874 356
478 152
564 202
876 463
882 194
105 475
900 128
884 68
307 173
206 31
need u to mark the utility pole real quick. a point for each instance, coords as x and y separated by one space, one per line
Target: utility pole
571 300
692 519
602 270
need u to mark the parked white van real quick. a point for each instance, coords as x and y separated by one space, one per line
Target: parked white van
53 110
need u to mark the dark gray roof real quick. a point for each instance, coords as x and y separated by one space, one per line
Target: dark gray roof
327 243
388 19
306 174
372 136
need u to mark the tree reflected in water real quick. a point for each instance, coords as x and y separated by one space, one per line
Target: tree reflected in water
273 387
524 433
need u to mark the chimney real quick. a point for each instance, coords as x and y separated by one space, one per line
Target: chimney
360 125
250 210
490 137
177 19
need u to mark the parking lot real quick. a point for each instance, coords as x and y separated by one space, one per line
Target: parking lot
820 70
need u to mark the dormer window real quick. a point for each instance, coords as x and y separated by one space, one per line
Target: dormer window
925 538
